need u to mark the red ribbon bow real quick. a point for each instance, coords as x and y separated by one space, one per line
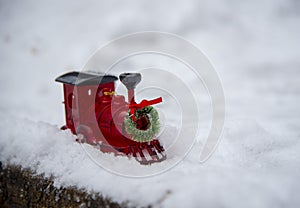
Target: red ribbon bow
143 104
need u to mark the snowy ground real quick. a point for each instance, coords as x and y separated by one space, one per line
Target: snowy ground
254 47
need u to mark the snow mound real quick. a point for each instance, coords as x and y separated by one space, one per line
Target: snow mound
258 170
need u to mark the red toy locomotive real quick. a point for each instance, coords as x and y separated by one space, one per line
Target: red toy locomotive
101 118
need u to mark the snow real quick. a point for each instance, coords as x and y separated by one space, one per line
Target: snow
253 46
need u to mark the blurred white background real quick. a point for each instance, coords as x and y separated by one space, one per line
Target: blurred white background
253 45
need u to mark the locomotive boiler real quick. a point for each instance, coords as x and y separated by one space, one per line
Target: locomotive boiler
100 117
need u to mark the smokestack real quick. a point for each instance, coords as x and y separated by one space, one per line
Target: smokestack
130 80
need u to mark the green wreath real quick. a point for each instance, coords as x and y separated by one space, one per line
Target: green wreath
153 124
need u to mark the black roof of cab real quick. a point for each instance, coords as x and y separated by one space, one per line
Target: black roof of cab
85 78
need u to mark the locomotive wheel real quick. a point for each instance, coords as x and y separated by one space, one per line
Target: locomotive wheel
85 134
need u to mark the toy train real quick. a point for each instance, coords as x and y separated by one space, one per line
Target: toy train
101 118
